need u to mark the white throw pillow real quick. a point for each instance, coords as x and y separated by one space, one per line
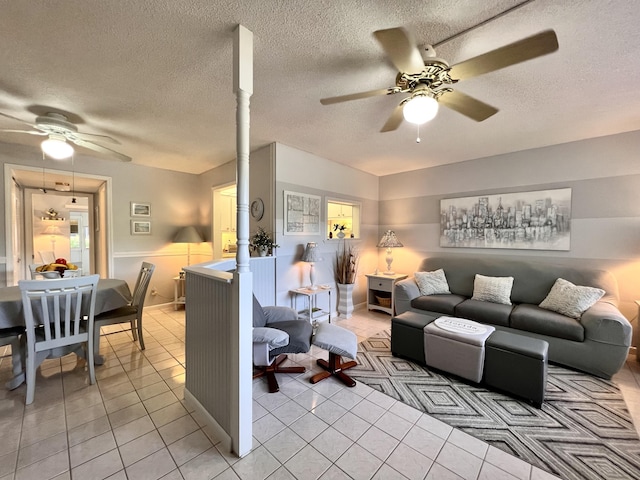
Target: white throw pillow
492 289
432 283
569 299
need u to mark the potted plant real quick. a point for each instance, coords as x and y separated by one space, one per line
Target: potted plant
262 242
347 259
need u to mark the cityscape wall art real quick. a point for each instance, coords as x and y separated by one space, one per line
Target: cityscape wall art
539 220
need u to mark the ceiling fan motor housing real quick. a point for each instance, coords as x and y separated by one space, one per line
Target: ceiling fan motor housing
55 123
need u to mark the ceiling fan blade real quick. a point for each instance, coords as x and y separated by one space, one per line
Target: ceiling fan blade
356 96
466 105
30 132
520 51
401 49
394 120
15 118
101 149
93 136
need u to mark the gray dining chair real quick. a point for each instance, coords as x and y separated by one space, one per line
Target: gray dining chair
47 256
57 314
131 313
12 336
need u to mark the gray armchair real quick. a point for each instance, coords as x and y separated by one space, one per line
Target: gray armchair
276 332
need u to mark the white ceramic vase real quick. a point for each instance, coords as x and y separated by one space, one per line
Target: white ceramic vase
345 300
262 251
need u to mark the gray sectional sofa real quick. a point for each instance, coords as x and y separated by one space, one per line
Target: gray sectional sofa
597 343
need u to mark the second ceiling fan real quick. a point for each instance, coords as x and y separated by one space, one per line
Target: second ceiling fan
428 81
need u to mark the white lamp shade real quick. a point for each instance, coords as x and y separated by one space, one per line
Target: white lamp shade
389 240
311 253
420 109
56 148
52 230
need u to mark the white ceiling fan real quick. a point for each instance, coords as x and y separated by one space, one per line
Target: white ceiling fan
59 131
428 81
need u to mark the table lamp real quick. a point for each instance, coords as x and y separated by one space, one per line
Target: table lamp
188 235
389 241
311 255
54 231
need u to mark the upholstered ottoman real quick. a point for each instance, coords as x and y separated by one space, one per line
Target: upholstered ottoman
338 342
407 335
456 345
517 364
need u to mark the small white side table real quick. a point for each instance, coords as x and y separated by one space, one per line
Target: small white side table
381 283
179 297
311 311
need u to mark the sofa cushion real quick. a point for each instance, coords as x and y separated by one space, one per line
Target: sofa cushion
492 289
532 318
484 312
569 299
445 303
432 283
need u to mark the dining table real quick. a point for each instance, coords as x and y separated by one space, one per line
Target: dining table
111 293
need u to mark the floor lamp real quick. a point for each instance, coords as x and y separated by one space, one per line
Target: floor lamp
188 235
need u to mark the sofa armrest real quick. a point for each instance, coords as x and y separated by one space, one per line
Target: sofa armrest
604 323
275 314
405 291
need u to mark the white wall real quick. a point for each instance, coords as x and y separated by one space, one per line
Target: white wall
603 173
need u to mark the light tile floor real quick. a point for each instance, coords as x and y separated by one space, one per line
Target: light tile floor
133 424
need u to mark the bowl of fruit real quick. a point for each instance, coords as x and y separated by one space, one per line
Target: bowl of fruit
56 269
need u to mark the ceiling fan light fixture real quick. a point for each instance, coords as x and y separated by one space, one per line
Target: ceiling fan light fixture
420 109
57 147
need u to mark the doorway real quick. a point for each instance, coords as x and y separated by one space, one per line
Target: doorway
80 241
25 225
224 221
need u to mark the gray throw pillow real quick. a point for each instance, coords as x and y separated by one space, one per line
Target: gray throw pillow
432 283
492 289
274 337
569 299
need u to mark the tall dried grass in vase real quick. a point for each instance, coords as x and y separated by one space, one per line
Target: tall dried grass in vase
347 258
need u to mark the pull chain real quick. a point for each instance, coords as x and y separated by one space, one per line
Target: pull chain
73 180
418 135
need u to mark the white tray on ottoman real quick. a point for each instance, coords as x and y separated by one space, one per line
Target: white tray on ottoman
456 345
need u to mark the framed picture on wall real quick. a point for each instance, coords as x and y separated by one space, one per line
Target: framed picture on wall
140 227
140 209
531 220
301 214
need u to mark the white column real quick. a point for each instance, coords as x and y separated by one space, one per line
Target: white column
243 87
241 337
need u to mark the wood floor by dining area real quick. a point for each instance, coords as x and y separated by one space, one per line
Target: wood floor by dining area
133 424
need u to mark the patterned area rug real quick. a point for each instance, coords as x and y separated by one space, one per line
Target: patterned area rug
583 431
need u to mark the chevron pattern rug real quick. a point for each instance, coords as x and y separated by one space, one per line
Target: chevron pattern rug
583 431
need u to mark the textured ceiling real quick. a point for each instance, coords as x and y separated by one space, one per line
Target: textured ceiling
157 75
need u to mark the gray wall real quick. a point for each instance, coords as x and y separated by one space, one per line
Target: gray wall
303 172
604 174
